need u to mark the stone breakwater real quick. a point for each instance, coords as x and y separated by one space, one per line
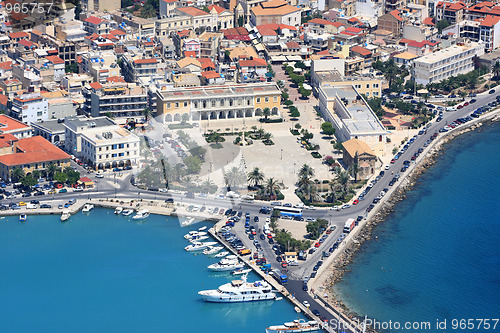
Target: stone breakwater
341 264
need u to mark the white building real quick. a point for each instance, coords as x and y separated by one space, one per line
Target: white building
440 65
100 142
30 108
351 116
13 126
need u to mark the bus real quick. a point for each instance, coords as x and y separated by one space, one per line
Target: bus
289 211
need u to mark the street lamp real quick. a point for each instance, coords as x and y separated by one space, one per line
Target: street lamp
294 167
281 156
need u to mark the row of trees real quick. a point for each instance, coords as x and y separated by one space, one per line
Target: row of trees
52 172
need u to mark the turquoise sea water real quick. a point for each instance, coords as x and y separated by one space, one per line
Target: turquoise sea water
104 273
438 255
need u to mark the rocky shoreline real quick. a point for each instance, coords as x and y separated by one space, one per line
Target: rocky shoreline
342 263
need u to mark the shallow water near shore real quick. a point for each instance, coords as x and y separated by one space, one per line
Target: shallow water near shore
437 256
105 273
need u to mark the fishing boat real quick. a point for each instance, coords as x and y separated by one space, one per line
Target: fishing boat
118 210
298 325
241 271
65 215
142 214
239 291
23 217
127 212
87 208
212 250
221 254
198 246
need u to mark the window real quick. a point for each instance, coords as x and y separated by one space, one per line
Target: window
367 85
113 147
258 99
121 154
169 105
213 103
266 99
275 99
185 104
113 155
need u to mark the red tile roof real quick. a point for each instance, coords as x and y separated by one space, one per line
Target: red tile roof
396 13
361 50
146 61
4 100
255 62
96 85
207 64
192 11
7 139
210 75
293 45
26 43
19 34
115 79
55 60
354 30
94 20
490 21
117 32
453 6
7 65
267 32
34 150
190 54
8 124
429 21
218 9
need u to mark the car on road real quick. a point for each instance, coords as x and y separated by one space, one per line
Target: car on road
355 202
316 312
63 190
492 91
22 203
304 287
45 206
306 304
346 206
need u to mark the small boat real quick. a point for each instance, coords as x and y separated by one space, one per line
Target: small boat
118 210
198 238
228 263
198 246
127 212
142 214
23 217
65 215
241 271
298 325
203 228
87 208
221 254
212 250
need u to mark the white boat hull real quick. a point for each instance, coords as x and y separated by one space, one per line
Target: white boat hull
225 268
217 298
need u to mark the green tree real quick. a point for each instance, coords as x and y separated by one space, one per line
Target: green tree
146 113
72 176
193 164
234 177
272 187
496 70
28 181
71 68
199 152
304 92
306 171
208 186
339 146
315 228
267 113
60 177
51 170
185 118
327 128
255 177
441 25
295 113
127 3
284 96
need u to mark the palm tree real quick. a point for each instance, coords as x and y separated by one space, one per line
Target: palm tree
306 171
255 177
17 174
254 128
36 174
234 178
272 186
207 185
267 136
51 170
343 181
178 171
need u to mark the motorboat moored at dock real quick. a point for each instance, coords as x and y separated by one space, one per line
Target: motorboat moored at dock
127 212
198 246
141 215
241 271
228 263
239 291
118 210
296 326
221 254
193 234
65 215
212 250
87 208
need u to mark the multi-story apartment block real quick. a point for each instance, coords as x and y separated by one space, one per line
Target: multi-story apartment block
96 25
101 5
13 126
100 142
454 60
30 108
135 67
453 12
219 102
99 64
115 98
485 29
392 22
71 31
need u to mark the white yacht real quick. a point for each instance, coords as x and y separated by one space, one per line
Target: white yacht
239 291
118 210
212 250
296 326
228 263
221 254
87 208
193 234
241 271
65 215
142 214
127 212
198 246
203 228
187 221
198 238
